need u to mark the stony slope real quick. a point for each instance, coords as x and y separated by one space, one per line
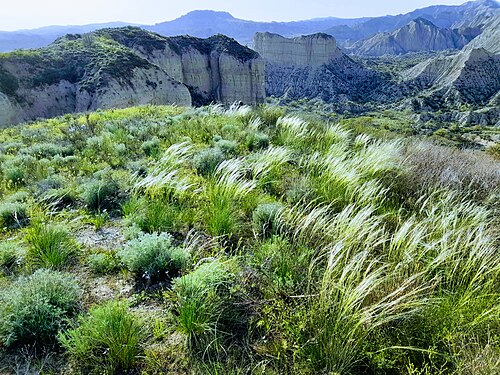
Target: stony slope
417 36
471 77
490 38
314 67
123 67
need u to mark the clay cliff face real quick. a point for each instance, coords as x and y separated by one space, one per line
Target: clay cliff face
310 50
418 36
217 69
313 67
115 68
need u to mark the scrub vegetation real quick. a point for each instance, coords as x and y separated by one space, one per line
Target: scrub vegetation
241 240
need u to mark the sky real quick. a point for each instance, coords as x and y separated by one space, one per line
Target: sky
25 14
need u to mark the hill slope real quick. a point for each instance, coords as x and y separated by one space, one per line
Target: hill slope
419 35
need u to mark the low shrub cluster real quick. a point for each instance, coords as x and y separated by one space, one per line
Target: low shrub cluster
153 257
34 308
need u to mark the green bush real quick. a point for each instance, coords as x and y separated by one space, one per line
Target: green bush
227 147
101 195
11 256
13 215
206 161
34 308
50 246
152 215
151 148
205 304
257 141
108 340
59 198
102 263
14 175
265 218
283 264
153 257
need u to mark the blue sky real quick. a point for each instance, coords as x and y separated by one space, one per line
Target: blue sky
18 14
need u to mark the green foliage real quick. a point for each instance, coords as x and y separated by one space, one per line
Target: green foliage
355 251
102 263
282 265
153 215
153 257
34 308
206 161
13 215
265 218
50 246
11 256
108 340
204 305
101 195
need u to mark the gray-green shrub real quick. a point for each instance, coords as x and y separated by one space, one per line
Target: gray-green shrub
153 257
34 308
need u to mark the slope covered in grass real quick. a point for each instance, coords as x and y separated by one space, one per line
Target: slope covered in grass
242 241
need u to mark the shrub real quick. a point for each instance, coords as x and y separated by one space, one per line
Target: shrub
227 147
11 254
205 306
59 198
283 264
13 215
14 175
35 308
432 167
108 340
151 148
270 114
206 161
257 141
50 246
102 263
265 218
153 257
101 195
152 216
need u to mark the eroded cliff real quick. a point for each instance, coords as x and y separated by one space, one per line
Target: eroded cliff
314 67
114 68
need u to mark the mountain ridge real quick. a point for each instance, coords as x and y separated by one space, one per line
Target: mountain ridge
346 30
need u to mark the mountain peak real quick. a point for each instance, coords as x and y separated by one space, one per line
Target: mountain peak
423 21
204 14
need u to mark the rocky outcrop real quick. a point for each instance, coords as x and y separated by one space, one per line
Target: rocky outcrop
309 50
217 69
471 76
115 68
313 67
419 35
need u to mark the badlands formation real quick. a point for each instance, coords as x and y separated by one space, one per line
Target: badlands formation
115 68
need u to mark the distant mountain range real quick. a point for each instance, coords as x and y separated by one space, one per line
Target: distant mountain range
469 18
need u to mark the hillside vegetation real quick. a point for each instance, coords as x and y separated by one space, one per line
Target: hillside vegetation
156 240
